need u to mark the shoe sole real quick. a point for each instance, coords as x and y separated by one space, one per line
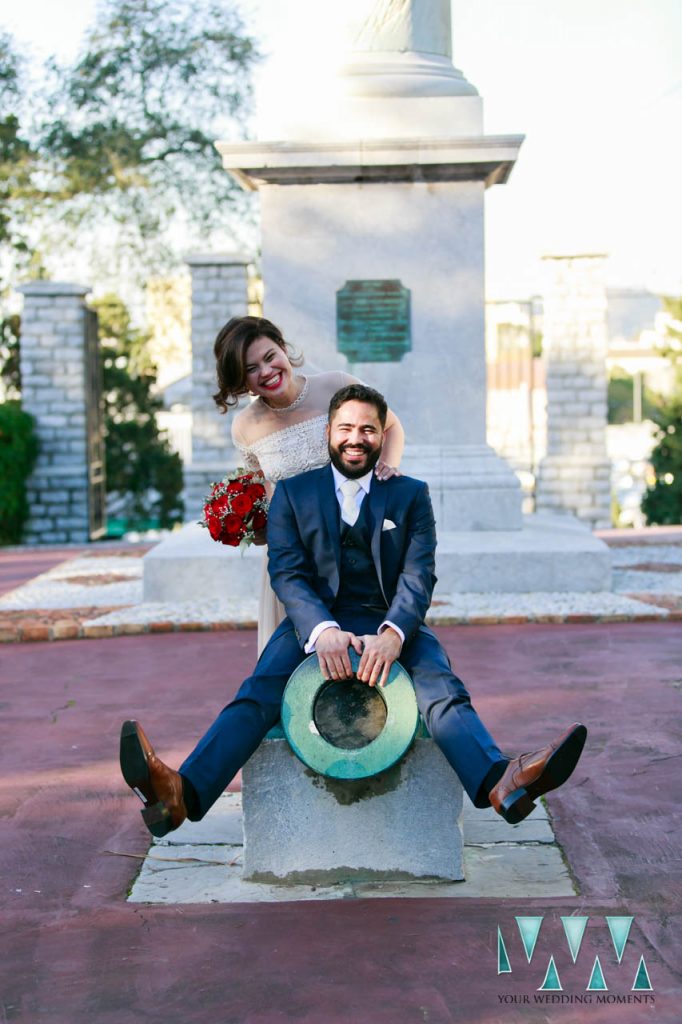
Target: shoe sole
558 770
135 771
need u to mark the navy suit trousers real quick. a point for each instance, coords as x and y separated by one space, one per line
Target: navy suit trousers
442 697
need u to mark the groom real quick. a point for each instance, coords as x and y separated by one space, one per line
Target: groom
352 560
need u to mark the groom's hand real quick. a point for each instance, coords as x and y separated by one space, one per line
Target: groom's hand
379 654
331 648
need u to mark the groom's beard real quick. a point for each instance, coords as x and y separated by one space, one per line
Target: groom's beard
359 469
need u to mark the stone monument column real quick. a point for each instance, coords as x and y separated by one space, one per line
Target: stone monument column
219 291
399 169
56 390
574 476
372 203
404 47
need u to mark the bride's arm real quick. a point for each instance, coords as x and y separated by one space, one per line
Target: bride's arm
392 451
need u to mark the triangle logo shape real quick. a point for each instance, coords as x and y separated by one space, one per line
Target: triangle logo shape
529 927
642 981
574 928
620 929
551 982
597 982
503 965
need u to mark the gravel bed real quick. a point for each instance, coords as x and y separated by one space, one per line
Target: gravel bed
459 607
122 565
51 593
539 604
53 590
218 610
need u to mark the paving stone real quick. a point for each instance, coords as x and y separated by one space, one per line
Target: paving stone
221 826
202 863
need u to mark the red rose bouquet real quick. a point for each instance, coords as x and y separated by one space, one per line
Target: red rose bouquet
236 508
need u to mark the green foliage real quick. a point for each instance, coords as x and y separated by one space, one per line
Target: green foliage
18 450
662 502
133 123
144 477
621 399
10 373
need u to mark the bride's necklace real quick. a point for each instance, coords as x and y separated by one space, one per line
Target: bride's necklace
296 402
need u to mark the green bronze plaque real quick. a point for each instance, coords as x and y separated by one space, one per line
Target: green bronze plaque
373 321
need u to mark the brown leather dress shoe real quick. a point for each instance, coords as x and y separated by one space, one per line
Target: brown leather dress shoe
157 785
528 776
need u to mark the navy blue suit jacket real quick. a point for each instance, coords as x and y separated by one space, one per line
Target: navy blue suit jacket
304 548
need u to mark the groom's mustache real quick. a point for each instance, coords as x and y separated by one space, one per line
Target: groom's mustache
357 447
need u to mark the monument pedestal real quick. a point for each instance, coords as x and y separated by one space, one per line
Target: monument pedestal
190 566
471 487
549 553
300 827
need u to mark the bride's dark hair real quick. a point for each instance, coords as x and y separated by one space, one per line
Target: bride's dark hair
230 350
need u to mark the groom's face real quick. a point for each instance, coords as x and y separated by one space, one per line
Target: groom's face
355 438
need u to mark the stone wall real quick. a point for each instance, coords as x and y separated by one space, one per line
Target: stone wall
54 376
219 291
574 475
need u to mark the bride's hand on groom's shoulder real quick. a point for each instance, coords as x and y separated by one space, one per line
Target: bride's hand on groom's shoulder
383 471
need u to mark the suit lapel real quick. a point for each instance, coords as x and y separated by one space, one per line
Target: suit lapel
330 511
378 494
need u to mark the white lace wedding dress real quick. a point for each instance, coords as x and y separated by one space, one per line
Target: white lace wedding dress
282 443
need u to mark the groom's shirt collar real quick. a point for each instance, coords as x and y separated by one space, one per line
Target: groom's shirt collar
364 482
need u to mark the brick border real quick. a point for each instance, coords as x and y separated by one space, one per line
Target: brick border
25 630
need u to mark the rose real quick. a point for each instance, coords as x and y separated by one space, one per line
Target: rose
258 519
215 527
220 505
232 525
241 504
255 491
235 487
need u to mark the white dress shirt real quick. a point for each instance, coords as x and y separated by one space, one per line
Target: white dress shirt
365 483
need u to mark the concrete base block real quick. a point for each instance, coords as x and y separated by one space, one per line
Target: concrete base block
189 565
551 553
300 827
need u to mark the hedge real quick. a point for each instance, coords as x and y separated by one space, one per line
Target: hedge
18 450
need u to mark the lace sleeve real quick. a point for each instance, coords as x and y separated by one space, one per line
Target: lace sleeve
248 458
247 455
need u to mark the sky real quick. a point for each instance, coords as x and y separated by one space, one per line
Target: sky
594 85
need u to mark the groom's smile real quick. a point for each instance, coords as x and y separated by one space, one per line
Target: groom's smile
355 437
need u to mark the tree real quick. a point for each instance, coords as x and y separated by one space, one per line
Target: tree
19 195
144 477
130 137
621 398
662 502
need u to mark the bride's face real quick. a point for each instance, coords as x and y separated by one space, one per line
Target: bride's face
268 370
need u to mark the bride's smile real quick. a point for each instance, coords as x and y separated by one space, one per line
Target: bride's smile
269 373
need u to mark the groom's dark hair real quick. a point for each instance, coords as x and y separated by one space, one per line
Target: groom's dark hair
359 393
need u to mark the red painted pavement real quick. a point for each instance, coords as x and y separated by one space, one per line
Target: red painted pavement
72 950
20 566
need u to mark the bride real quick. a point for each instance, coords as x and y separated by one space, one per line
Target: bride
282 431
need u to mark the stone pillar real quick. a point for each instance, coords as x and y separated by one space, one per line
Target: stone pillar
574 476
219 291
404 47
54 391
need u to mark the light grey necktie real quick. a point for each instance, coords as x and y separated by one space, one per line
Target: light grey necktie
349 508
